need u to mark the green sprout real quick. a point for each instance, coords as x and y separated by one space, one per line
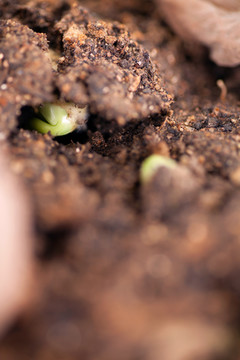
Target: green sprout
58 119
152 163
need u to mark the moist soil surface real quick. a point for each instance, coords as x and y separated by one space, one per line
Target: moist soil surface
124 269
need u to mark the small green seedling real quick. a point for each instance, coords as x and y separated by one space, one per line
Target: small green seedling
58 119
152 163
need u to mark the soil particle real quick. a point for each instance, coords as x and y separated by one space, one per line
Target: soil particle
26 75
44 166
121 81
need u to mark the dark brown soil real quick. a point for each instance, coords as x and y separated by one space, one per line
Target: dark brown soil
124 270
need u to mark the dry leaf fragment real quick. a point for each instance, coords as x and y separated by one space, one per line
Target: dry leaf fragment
214 23
15 247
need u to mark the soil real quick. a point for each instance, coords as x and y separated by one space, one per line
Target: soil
123 269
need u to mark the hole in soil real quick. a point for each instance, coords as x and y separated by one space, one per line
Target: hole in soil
39 19
54 243
77 136
80 136
27 112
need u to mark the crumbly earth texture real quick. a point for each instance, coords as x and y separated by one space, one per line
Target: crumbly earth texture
125 270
